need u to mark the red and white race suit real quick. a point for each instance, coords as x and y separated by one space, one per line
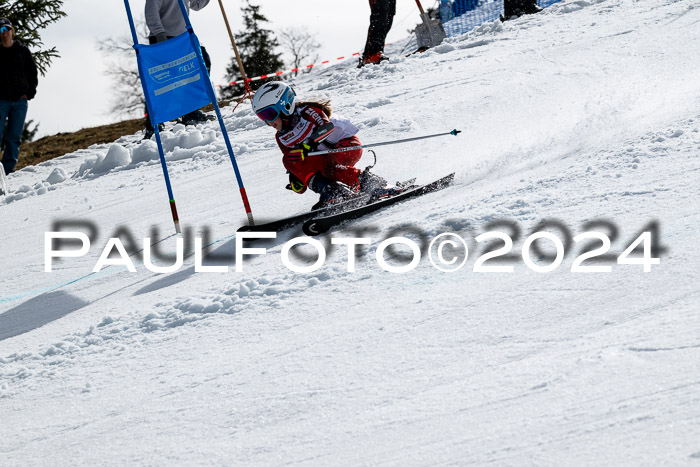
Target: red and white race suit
339 166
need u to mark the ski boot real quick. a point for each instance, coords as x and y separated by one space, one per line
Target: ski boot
370 182
376 186
196 117
531 8
375 59
516 8
148 132
331 192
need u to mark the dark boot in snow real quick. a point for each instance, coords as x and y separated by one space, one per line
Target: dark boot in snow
375 59
330 192
148 132
513 9
530 8
193 118
376 186
370 182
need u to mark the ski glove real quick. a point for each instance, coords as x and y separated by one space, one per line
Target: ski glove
300 153
311 143
296 185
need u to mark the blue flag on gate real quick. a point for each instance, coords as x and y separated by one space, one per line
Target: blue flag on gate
173 80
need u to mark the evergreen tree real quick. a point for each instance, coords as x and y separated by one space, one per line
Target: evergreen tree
29 18
257 48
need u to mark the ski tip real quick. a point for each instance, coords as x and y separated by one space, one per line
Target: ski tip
455 132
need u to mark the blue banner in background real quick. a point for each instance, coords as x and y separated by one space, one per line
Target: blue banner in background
461 16
173 80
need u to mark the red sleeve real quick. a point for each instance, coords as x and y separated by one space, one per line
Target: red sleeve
315 115
303 171
311 118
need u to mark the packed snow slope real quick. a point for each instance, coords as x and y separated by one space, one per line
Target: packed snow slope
586 115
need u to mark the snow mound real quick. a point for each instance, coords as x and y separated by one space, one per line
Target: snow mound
146 151
26 191
58 175
117 156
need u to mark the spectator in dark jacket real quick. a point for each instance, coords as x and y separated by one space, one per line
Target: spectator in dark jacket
18 82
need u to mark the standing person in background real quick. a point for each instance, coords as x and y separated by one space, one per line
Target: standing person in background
18 82
380 22
165 21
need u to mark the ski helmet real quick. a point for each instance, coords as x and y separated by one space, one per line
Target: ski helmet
273 99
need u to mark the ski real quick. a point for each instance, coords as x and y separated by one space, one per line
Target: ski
322 224
292 221
289 222
3 181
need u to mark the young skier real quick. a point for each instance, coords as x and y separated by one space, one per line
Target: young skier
307 126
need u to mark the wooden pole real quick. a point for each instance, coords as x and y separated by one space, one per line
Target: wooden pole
235 50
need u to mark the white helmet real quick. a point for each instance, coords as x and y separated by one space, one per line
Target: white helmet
272 99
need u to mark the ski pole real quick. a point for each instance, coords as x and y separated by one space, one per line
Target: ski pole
385 143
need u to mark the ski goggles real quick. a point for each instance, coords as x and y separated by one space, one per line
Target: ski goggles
268 114
4 29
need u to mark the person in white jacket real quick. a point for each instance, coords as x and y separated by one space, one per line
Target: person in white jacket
164 18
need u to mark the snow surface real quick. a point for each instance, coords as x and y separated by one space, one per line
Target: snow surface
587 111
